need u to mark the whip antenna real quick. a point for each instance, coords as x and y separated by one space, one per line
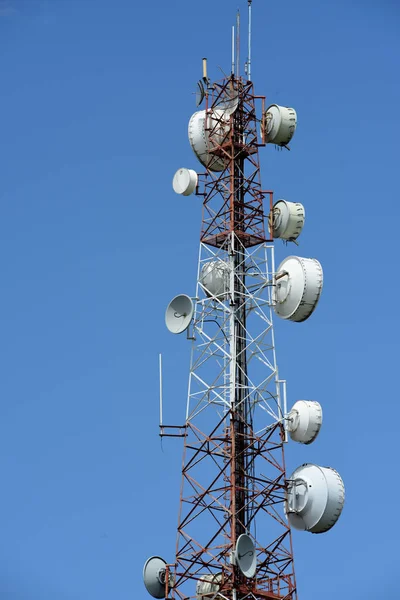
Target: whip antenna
249 46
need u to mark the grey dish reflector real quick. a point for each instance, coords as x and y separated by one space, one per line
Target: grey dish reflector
200 92
298 288
246 558
179 313
304 421
154 573
315 498
228 104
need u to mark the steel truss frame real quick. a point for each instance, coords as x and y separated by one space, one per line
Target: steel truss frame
235 473
235 142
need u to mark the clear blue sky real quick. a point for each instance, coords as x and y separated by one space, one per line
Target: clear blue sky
95 100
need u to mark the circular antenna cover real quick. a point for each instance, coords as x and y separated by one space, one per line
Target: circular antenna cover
179 313
214 278
305 421
185 181
207 130
246 557
208 585
315 498
287 220
279 124
154 576
298 288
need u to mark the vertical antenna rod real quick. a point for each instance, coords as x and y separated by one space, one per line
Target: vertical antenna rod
233 50
238 44
249 48
160 375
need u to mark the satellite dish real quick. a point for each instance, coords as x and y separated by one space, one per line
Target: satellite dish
179 313
201 125
215 278
229 104
315 498
246 558
304 421
287 220
279 124
154 573
208 585
200 93
298 288
185 181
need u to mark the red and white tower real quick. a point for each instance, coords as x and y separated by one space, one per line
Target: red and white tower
237 503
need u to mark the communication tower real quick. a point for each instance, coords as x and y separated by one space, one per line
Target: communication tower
237 503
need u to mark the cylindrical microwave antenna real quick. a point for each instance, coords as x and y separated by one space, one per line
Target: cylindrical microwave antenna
205 69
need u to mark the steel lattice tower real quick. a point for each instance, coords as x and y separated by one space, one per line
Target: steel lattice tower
234 471
234 484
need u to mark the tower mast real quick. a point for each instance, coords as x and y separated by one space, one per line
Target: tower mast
233 381
236 502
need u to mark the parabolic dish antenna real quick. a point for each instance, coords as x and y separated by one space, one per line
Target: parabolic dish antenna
179 313
200 92
315 498
185 181
206 130
246 558
154 574
279 124
229 104
304 421
287 220
215 279
208 585
298 288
